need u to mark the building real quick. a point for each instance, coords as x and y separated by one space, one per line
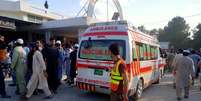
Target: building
21 20
18 19
15 16
22 10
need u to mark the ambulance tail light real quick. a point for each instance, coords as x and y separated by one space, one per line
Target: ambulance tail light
85 86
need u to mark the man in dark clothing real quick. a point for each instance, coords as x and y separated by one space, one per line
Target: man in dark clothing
3 57
51 55
73 58
13 74
29 65
61 60
196 58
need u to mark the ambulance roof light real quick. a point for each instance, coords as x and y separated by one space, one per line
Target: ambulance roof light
123 22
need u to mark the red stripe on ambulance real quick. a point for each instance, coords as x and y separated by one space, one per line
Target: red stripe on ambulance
105 33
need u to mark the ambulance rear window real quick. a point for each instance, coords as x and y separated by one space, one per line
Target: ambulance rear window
98 49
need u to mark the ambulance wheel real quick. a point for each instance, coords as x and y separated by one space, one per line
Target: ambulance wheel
139 90
157 81
161 73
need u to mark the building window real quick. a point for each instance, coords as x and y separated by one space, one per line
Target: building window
35 19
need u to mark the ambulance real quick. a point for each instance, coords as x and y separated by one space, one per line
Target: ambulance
139 50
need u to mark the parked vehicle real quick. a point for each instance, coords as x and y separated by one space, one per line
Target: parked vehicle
139 50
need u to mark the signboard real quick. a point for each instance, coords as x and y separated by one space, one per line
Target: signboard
164 45
7 24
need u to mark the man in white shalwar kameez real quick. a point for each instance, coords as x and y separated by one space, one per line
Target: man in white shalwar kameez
176 58
38 78
183 71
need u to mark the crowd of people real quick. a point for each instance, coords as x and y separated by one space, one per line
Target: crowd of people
37 67
186 66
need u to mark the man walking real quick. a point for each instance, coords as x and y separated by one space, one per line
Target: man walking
170 58
60 60
51 56
196 58
19 65
199 66
176 58
67 50
73 58
119 77
2 59
183 69
39 75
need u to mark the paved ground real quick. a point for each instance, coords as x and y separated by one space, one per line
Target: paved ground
159 92
65 93
165 92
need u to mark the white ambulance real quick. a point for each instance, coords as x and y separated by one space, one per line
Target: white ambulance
139 50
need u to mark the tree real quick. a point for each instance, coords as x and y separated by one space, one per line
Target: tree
143 29
155 31
161 36
197 37
176 32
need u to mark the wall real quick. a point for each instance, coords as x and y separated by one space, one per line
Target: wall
15 15
22 7
25 7
9 5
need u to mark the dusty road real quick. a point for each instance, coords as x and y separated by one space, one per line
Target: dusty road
165 92
159 92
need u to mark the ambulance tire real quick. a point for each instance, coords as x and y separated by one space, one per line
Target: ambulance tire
157 81
139 90
162 73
